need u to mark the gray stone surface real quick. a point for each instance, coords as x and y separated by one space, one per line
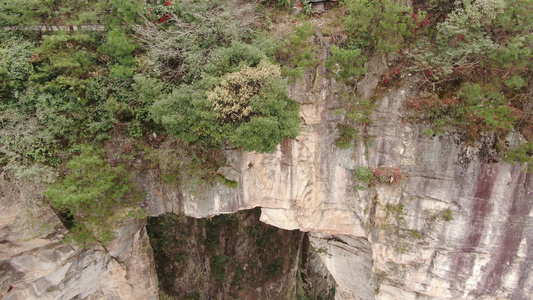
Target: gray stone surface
35 264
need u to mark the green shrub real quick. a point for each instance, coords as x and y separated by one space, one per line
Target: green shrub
476 35
347 134
120 48
23 139
229 183
346 64
521 154
187 114
297 52
361 111
231 99
206 38
94 194
476 108
15 67
274 269
363 176
516 82
218 267
250 108
486 105
382 25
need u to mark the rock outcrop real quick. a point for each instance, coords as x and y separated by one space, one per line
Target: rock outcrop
35 264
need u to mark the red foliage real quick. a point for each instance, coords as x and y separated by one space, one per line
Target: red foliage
163 19
386 174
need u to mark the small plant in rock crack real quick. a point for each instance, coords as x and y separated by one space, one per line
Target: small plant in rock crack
321 251
363 176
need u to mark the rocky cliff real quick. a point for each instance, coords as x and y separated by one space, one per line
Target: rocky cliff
457 224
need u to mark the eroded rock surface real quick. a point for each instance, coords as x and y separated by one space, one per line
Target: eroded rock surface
35 264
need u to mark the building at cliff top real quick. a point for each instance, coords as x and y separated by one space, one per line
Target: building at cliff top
322 5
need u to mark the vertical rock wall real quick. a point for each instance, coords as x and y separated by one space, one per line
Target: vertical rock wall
466 220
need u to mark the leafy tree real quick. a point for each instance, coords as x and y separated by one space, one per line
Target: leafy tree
521 154
461 38
273 117
189 115
188 42
23 139
124 12
147 90
94 194
224 84
486 106
15 66
231 99
250 108
482 52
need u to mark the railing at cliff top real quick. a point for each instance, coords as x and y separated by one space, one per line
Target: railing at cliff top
43 27
53 28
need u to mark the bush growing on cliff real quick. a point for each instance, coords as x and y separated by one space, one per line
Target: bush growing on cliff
462 39
225 87
94 194
188 44
15 67
346 64
297 52
521 154
249 108
475 109
382 25
363 176
371 26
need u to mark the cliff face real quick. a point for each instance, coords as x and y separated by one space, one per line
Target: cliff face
457 224
465 227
